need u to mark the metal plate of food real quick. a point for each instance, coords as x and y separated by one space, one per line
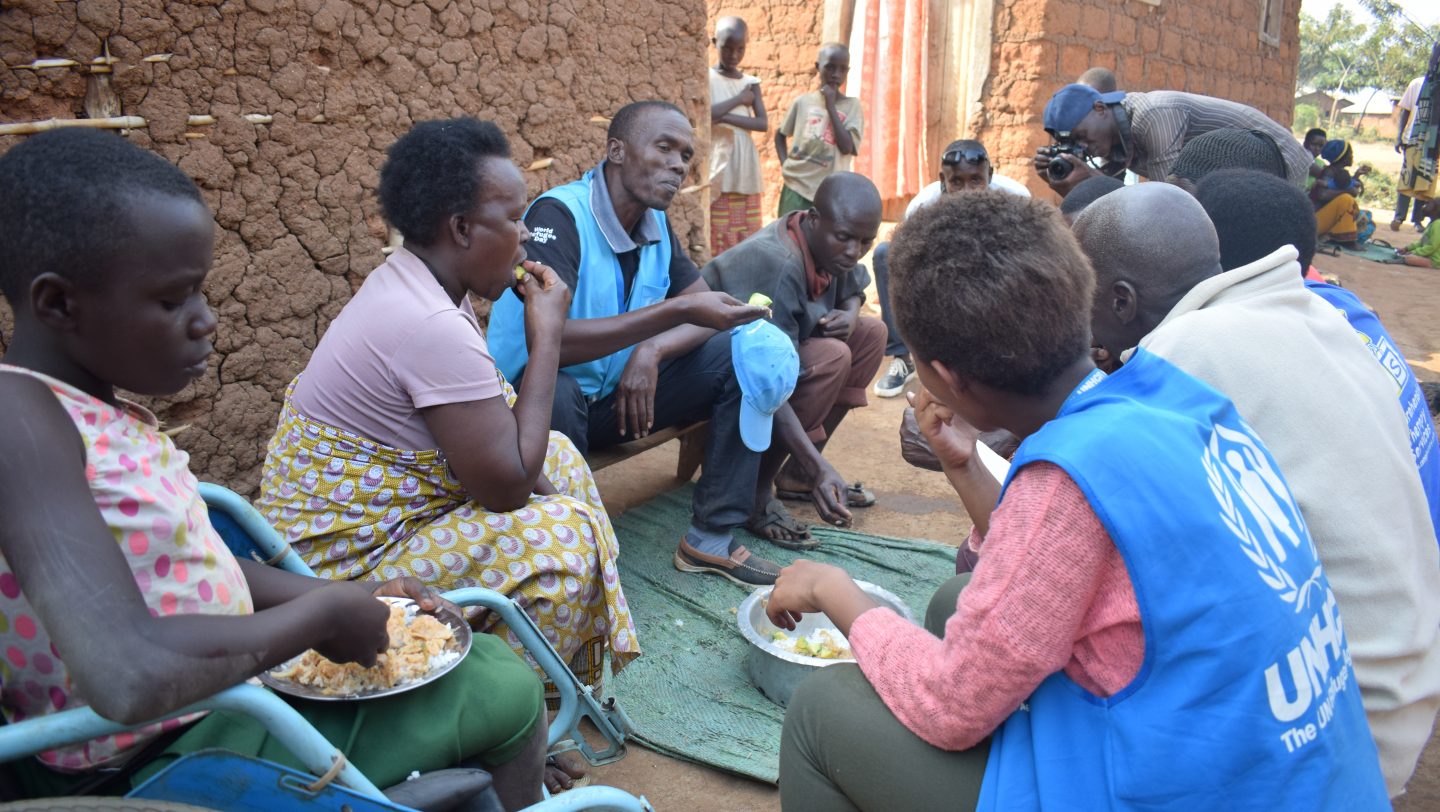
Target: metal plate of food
423 648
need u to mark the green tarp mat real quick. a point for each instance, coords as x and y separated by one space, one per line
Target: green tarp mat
1373 251
689 695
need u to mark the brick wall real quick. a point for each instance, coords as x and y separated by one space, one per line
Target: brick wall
299 226
1210 47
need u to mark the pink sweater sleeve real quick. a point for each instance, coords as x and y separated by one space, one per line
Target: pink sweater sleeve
1051 592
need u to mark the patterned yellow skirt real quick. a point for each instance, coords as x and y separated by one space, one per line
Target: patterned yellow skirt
358 510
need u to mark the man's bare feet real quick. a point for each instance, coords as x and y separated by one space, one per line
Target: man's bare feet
564 770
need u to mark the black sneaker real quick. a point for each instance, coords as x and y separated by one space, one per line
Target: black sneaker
901 372
742 566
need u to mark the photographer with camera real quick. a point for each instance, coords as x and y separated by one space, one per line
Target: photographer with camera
1106 133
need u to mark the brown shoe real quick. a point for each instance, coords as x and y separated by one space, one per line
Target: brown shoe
742 566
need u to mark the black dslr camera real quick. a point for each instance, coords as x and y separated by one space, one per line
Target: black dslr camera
1059 168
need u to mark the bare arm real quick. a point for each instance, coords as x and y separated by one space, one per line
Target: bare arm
672 327
782 147
498 453
130 665
828 493
953 441
759 122
844 140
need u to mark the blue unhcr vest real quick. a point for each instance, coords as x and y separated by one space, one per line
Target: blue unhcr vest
1246 698
599 293
1417 415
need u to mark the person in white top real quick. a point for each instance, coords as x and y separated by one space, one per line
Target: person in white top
964 166
1406 110
735 184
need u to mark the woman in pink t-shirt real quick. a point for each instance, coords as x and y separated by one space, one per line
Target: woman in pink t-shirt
400 450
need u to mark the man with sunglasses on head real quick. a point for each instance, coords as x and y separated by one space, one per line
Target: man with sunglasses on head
964 167
1144 132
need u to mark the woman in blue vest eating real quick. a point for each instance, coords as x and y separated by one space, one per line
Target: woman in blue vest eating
401 450
1083 665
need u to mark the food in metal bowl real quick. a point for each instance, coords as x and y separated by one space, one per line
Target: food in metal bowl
825 644
778 659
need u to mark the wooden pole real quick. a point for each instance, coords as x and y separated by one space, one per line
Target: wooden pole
112 123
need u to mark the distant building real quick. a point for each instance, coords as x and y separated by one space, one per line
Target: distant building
1356 112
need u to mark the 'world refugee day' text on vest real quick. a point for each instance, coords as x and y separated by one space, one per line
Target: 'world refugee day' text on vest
1412 400
599 293
1246 698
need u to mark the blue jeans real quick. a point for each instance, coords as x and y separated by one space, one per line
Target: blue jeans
698 386
880 261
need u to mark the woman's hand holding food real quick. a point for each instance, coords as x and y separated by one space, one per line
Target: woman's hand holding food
426 597
546 297
809 586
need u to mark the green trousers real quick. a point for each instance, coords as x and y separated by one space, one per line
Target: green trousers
486 709
791 200
843 750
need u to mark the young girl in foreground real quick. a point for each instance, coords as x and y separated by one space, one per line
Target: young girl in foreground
1148 626
115 590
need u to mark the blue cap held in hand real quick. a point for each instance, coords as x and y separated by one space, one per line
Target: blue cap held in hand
766 365
1071 104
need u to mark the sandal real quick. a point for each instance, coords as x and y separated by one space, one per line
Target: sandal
776 516
856 496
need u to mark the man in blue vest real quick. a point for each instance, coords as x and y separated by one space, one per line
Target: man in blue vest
647 344
1287 359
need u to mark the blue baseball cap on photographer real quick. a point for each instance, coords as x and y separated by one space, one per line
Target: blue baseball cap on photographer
766 366
1071 104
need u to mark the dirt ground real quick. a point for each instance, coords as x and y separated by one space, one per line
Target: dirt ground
920 504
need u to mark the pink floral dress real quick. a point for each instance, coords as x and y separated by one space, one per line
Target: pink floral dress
144 489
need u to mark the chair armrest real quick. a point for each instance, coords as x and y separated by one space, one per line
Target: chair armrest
284 722
262 535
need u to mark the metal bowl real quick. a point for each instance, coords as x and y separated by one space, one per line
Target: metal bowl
463 640
777 672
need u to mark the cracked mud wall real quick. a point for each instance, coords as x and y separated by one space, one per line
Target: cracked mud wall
294 199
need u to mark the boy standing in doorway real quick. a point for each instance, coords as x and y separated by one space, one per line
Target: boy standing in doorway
736 110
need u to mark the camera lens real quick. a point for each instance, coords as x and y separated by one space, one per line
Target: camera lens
1058 168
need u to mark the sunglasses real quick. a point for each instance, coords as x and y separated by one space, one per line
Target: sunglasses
972 156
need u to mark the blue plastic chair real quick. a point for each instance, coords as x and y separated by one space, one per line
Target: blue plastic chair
247 534
216 779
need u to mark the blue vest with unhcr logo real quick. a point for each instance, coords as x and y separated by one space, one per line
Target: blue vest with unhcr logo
1412 400
599 293
1246 698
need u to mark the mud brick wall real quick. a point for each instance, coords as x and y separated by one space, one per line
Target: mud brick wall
299 225
1212 47
785 36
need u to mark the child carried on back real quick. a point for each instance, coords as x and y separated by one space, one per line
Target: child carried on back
116 591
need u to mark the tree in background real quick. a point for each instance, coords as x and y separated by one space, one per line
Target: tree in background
1341 53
